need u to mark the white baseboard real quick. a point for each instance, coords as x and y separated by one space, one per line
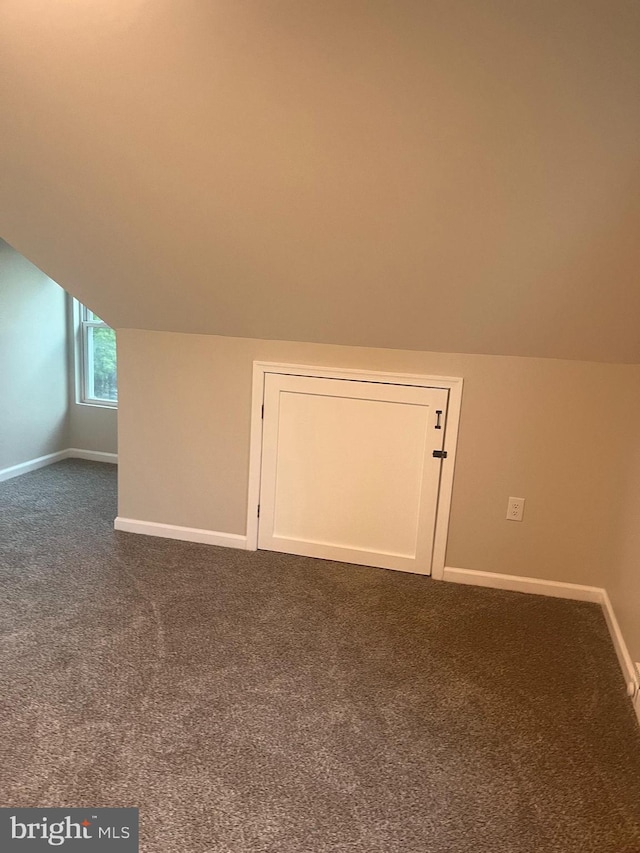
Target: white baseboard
92 455
32 465
536 586
558 589
50 458
186 534
626 663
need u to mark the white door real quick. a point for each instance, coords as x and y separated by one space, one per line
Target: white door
348 471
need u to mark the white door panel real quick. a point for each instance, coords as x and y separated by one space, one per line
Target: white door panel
348 471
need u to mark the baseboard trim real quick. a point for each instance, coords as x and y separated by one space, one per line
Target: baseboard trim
92 455
32 465
626 663
186 534
559 589
51 458
535 586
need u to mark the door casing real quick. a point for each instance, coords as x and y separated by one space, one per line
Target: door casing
452 384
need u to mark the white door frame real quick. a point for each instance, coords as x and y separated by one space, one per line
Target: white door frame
452 383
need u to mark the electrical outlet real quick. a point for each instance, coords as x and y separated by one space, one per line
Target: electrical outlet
515 509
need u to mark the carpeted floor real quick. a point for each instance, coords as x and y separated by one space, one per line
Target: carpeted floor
264 703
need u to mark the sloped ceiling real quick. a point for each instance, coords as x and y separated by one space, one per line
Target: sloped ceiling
454 176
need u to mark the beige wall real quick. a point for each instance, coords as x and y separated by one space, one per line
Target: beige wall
555 432
93 428
33 362
455 176
625 590
434 177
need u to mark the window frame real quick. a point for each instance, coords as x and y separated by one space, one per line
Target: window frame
84 358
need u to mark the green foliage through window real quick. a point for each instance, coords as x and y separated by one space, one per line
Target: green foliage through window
98 358
105 386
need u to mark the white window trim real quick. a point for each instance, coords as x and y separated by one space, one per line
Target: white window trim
82 360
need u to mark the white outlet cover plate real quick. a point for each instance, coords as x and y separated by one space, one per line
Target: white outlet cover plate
512 509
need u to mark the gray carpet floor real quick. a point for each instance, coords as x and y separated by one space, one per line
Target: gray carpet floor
265 703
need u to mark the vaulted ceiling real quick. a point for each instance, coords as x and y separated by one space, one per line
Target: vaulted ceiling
459 176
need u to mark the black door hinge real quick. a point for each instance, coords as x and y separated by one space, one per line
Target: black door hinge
440 454
258 510
262 412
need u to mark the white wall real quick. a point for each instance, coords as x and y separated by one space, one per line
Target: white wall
38 409
33 362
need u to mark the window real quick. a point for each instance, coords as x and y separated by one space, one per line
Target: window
97 379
